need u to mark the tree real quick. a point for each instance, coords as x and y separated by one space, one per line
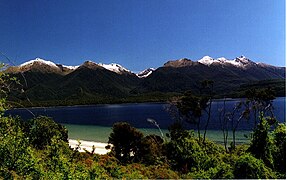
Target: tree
207 91
240 111
232 119
43 129
261 102
126 141
192 107
261 144
224 124
257 102
150 150
7 83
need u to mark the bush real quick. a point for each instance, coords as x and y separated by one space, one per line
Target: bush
221 171
44 129
126 141
261 143
279 153
150 150
248 167
15 153
188 154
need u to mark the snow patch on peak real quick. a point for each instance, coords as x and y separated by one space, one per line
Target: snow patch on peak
244 60
71 67
145 73
222 59
241 61
114 67
207 60
235 63
39 60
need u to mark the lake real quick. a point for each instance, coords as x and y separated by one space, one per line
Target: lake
94 122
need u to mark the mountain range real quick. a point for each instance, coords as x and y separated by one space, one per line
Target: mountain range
47 82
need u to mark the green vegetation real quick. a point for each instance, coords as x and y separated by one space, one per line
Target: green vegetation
38 149
136 156
91 99
278 85
41 95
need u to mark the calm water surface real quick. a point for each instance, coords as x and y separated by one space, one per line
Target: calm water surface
94 122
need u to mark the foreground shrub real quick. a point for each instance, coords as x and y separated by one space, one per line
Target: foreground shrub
16 156
126 141
221 171
150 150
187 153
261 143
279 153
43 129
248 167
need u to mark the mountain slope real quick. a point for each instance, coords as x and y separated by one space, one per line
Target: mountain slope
91 82
145 73
184 74
93 78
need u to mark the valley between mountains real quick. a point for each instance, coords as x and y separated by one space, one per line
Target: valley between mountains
45 83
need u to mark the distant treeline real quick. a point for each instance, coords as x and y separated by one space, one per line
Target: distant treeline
277 85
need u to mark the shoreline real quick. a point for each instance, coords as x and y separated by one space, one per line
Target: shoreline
87 105
88 146
124 103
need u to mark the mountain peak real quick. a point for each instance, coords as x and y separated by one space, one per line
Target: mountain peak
179 63
145 73
90 64
242 60
207 60
117 68
222 59
38 60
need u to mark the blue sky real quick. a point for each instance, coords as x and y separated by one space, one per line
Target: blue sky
142 33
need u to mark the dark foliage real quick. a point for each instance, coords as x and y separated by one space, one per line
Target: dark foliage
279 153
126 141
248 167
43 129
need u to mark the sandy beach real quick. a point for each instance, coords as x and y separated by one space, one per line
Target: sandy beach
87 145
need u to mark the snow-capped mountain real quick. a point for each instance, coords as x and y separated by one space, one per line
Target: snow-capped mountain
227 74
145 73
207 60
111 67
38 60
41 62
42 65
115 68
45 80
70 67
240 62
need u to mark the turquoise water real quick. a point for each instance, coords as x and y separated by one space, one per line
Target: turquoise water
93 123
101 133
137 114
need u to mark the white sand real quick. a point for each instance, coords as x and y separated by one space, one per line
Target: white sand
87 145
